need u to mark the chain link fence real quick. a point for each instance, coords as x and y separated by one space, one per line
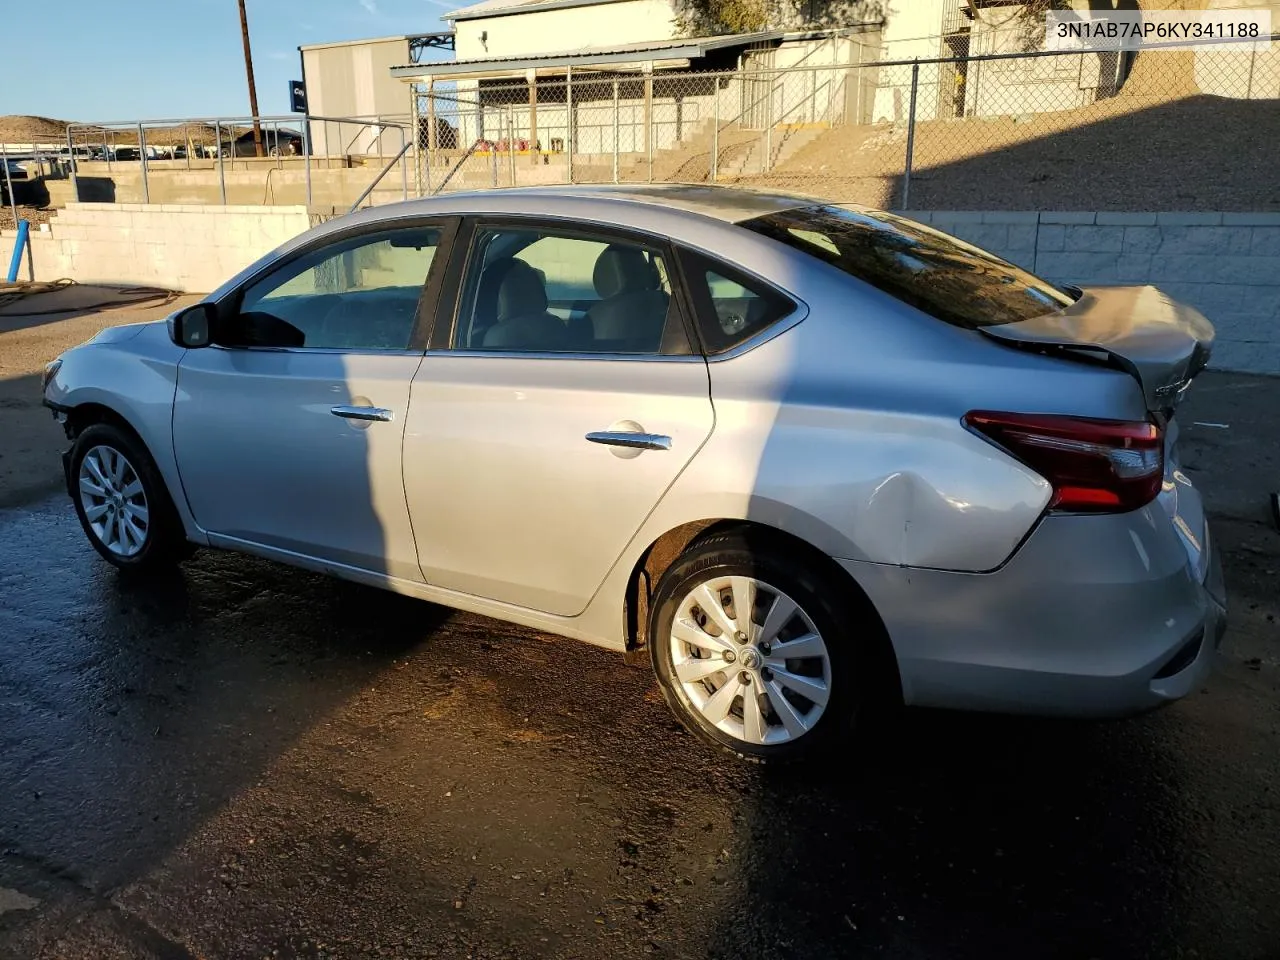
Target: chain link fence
985 128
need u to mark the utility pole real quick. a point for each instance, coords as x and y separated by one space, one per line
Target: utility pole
253 90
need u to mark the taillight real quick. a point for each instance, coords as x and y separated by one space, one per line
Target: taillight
1095 466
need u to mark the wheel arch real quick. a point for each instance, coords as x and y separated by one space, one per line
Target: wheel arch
665 549
84 415
87 413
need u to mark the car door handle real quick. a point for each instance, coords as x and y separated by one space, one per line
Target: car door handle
363 413
626 438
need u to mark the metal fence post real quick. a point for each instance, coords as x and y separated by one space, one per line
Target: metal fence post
511 141
404 165
765 161
222 166
715 129
648 116
616 132
142 158
911 137
306 152
415 120
493 162
433 142
568 102
8 182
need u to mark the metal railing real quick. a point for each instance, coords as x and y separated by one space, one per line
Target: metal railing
993 128
24 171
309 141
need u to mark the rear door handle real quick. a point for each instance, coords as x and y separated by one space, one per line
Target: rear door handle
626 438
363 413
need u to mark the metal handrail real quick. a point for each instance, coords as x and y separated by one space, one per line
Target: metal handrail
378 179
800 103
461 160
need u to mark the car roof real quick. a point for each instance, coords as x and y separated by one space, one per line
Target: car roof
726 204
730 204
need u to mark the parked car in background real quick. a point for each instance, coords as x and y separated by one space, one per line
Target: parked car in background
806 460
275 143
14 169
446 134
13 172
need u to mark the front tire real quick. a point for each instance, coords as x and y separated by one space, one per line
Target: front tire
121 500
756 649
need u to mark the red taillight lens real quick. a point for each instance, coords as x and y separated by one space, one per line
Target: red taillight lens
1095 466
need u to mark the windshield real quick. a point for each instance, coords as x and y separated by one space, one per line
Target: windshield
938 274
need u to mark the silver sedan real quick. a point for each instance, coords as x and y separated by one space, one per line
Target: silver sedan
808 460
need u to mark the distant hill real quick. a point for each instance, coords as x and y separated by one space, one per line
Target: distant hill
23 129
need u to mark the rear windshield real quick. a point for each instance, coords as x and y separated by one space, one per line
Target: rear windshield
945 277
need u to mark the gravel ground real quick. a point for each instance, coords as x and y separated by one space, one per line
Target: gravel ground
34 215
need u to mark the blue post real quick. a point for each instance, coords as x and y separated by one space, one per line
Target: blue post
24 228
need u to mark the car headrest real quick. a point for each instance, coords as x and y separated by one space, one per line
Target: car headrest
621 270
520 291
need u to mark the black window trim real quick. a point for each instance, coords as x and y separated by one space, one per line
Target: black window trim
449 304
419 336
694 264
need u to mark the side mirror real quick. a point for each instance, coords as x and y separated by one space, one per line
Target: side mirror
193 327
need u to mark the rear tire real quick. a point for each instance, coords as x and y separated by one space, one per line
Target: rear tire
122 502
789 678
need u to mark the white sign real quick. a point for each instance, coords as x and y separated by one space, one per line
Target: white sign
1152 29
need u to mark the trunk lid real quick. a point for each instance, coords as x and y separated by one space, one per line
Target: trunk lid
1162 343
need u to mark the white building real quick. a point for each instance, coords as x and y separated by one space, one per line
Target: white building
640 83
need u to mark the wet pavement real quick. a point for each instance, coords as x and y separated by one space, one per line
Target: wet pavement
249 761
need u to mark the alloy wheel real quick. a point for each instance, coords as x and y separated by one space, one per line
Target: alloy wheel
114 501
749 660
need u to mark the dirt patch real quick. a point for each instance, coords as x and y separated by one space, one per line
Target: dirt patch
1126 153
33 442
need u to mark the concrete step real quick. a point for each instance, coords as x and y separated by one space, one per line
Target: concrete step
780 145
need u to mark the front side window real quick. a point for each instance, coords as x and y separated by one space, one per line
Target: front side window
938 274
547 291
360 293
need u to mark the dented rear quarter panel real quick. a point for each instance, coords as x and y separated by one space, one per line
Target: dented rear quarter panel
845 430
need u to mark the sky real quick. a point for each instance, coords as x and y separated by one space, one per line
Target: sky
94 60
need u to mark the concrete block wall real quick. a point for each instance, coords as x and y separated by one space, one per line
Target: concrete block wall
260 185
193 248
1227 265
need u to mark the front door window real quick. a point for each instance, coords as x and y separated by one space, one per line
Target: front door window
360 293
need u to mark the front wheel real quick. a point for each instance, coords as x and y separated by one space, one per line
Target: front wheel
754 648
122 502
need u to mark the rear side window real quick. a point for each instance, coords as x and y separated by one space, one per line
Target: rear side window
933 272
731 306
